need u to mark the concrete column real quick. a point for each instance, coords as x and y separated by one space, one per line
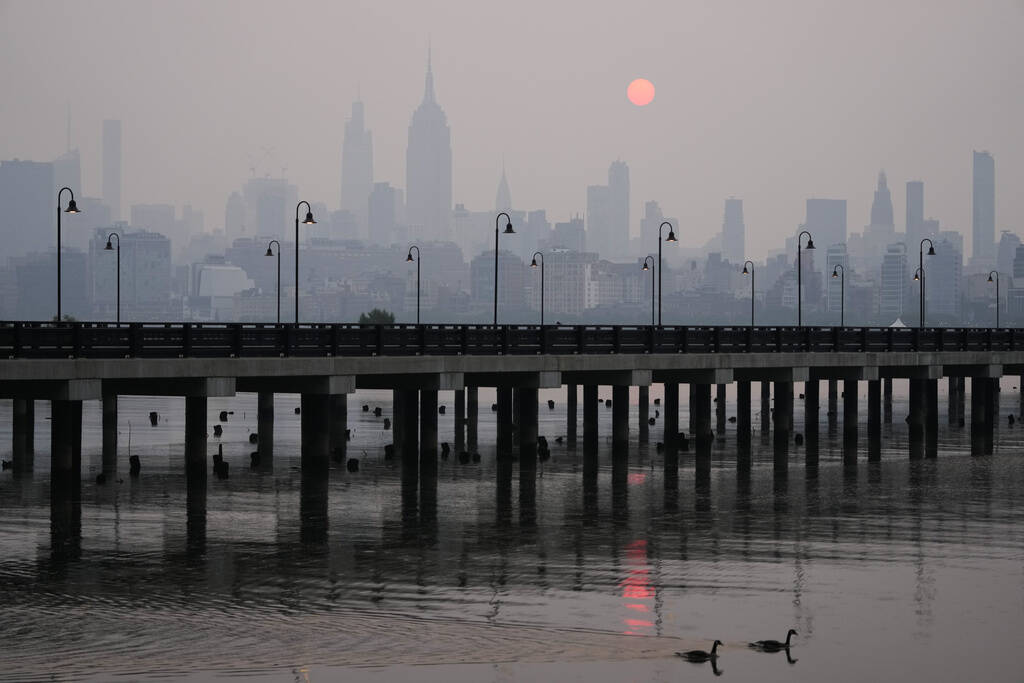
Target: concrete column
766 406
528 405
65 469
590 418
952 402
850 422
570 414
991 413
30 420
644 400
22 426
195 436
720 411
620 419
961 409
670 420
918 416
76 435
874 420
504 423
743 424
702 412
931 425
460 420
338 426
109 434
1020 409
397 422
978 390
410 426
472 417
833 404
783 406
811 419
428 430
316 435
265 429
887 400
692 408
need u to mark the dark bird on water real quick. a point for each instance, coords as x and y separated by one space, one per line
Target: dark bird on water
774 645
701 655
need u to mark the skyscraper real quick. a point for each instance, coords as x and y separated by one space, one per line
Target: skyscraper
734 232
112 156
608 213
428 169
881 207
28 197
895 286
503 198
915 211
984 209
357 168
826 221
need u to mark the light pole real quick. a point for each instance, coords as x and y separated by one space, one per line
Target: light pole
533 264
800 276
410 259
996 273
671 238
72 208
651 259
271 253
840 272
508 231
308 221
110 247
751 274
920 266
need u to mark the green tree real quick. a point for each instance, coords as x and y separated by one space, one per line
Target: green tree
377 316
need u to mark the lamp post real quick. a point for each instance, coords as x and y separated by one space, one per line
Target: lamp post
410 259
671 238
72 208
996 273
533 264
308 221
840 272
110 247
651 259
920 266
751 274
800 276
508 231
271 253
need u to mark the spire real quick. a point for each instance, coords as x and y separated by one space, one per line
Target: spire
882 184
503 198
428 89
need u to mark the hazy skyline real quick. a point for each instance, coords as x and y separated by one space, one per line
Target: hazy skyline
769 103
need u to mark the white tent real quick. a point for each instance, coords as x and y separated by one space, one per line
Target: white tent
898 323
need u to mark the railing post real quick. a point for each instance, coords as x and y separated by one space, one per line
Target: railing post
683 344
134 343
288 341
76 340
186 340
335 338
543 340
380 342
616 339
236 340
988 338
17 340
504 339
716 338
837 339
580 346
464 334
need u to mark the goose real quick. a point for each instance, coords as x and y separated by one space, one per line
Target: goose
774 645
701 655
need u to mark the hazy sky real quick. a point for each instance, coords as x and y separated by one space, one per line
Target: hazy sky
772 102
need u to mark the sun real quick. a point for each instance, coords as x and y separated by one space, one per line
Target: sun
640 92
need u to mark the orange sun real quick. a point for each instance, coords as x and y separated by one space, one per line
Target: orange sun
640 92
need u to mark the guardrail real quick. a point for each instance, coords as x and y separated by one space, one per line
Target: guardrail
238 340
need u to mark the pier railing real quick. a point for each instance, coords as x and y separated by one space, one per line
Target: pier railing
238 340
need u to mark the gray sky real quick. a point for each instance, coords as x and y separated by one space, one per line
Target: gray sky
772 102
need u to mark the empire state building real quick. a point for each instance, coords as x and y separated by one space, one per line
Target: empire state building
428 169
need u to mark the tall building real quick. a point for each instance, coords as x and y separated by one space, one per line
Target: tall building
569 235
915 211
357 168
145 273
28 197
112 159
608 213
503 197
826 221
983 204
428 169
67 172
944 273
382 213
734 233
894 289
269 208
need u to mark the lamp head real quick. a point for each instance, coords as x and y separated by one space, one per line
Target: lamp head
409 258
645 268
110 247
835 272
269 251
508 229
671 236
72 207
810 243
745 271
309 218
917 276
990 277
931 250
533 263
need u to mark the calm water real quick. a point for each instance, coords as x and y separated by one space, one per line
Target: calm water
900 571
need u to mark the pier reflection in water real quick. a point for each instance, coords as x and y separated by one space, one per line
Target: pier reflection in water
599 567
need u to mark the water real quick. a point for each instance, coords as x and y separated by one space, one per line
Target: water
895 571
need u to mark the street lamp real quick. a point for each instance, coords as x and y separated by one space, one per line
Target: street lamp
800 276
920 266
410 259
533 264
308 221
996 273
751 274
645 268
271 253
110 247
508 231
72 208
671 238
840 272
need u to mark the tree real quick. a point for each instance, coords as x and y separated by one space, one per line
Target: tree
377 316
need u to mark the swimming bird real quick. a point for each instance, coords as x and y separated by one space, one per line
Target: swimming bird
701 655
774 645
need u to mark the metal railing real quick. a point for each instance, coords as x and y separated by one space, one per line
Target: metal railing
239 340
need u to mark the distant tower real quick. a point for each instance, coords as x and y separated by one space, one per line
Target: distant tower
618 206
428 168
881 208
734 232
357 168
112 155
984 208
503 199
915 211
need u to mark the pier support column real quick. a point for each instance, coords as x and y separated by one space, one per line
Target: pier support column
428 430
670 427
977 416
961 395
109 434
504 418
620 419
316 435
643 412
570 415
528 405
811 418
850 422
23 426
931 424
918 416
410 426
720 411
743 424
265 429
701 410
887 400
472 417
991 413
65 468
397 422
874 420
590 418
833 405
339 426
783 418
766 406
952 402
460 420
195 436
